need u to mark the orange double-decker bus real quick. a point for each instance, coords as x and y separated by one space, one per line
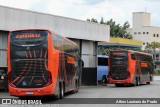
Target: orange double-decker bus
129 67
41 62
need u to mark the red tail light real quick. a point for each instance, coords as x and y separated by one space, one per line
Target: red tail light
49 77
49 81
10 79
129 75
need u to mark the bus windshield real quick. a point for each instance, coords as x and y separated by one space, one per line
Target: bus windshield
28 44
118 54
103 61
119 58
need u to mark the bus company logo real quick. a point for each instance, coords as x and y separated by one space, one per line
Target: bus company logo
24 83
6 101
28 36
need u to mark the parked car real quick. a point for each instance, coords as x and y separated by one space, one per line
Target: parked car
3 80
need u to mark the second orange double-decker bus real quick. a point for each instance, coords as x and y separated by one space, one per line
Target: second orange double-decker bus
40 63
130 67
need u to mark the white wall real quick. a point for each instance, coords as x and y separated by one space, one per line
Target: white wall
12 19
3 46
89 53
141 19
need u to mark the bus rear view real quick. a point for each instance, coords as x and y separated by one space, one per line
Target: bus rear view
27 61
130 67
42 63
118 68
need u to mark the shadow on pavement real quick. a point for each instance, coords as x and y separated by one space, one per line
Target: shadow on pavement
47 99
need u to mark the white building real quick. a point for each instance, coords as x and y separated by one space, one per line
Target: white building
143 31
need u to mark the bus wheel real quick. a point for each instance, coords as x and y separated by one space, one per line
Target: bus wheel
118 85
148 82
76 87
137 81
61 91
151 78
104 79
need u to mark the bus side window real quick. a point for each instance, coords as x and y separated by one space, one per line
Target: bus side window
133 57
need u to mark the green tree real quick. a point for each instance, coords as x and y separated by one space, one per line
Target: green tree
94 20
116 30
126 25
148 47
88 20
153 46
102 21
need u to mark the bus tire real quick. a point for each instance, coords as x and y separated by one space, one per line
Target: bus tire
147 82
151 78
104 79
61 91
76 86
119 85
137 81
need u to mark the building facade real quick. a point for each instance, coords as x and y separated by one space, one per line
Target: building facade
143 31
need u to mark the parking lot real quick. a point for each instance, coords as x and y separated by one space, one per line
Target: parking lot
107 91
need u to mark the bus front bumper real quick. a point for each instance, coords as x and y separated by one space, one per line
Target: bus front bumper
126 81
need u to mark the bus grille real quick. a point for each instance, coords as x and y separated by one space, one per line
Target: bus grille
118 68
29 67
118 72
29 73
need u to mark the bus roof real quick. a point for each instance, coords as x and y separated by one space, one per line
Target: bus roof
28 29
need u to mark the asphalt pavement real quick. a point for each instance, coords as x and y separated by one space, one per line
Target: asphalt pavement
93 94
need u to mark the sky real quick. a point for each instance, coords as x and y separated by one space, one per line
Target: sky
119 10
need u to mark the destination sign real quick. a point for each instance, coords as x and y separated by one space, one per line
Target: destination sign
119 53
28 36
